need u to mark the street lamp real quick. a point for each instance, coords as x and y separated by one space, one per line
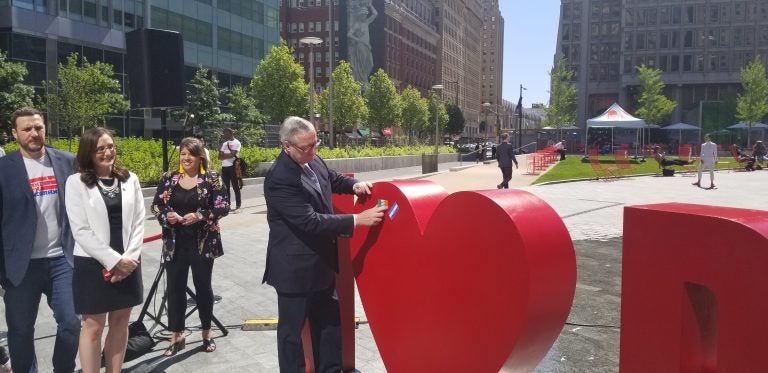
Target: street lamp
312 41
519 110
437 87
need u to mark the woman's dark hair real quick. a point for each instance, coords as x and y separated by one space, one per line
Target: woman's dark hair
195 147
89 141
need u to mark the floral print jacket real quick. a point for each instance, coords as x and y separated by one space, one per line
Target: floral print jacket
213 204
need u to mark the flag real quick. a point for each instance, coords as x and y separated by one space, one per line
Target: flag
519 107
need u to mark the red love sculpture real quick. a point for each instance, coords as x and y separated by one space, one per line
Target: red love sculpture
468 282
693 291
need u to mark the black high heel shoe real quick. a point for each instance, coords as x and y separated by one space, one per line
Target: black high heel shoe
175 347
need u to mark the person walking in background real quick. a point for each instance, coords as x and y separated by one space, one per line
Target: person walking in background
3 141
708 160
302 255
188 205
560 149
505 158
230 150
36 244
106 211
478 152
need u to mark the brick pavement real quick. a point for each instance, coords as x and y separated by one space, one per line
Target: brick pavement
592 211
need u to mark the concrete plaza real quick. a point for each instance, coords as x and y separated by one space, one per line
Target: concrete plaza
591 210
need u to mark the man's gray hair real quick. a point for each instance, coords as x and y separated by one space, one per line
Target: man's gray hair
504 136
292 126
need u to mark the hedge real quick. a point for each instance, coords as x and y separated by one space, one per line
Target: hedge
145 157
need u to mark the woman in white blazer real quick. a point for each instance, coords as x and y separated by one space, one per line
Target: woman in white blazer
106 212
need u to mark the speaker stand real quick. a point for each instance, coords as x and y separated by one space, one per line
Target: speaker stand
157 318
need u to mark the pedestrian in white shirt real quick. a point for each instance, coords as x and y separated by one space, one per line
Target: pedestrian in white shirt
709 160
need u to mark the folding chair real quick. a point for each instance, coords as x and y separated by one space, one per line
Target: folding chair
685 152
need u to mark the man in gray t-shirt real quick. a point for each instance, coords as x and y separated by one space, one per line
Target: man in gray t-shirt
36 244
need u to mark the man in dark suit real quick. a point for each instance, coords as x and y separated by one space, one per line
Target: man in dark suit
302 256
36 244
505 157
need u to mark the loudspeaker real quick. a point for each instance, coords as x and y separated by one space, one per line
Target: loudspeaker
155 68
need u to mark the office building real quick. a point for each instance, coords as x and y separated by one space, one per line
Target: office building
699 45
228 37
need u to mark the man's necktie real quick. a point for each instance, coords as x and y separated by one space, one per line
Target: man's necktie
312 176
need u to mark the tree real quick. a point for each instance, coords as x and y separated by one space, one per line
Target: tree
204 100
752 104
455 120
654 106
383 102
13 92
414 111
348 104
82 96
562 98
278 85
243 108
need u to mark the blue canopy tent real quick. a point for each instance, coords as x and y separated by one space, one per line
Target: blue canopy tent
680 127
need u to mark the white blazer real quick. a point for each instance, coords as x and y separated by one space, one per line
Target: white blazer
90 225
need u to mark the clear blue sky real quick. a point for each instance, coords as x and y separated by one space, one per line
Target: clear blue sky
530 33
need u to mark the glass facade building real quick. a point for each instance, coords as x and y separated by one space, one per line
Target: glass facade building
229 37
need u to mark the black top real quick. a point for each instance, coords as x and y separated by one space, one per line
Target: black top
114 213
183 201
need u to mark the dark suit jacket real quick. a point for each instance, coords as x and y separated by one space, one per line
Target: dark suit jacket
18 213
302 255
505 155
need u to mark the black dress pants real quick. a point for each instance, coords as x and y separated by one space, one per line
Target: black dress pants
186 257
228 177
321 310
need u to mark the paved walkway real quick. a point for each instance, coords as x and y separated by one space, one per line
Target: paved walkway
592 211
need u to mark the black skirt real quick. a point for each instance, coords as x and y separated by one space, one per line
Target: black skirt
93 295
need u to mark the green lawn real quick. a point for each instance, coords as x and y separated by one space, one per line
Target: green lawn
573 168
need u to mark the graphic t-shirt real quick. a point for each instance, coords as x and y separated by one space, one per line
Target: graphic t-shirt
233 144
45 190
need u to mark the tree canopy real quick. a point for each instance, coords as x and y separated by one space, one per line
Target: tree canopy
752 103
562 98
455 120
415 112
13 92
349 107
654 106
278 85
83 95
383 102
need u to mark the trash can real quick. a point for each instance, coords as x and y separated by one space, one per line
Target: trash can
428 163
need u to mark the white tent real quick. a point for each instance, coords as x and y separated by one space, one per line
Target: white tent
680 127
612 118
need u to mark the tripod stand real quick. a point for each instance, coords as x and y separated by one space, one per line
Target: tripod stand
157 317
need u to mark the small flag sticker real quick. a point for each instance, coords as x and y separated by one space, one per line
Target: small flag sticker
393 211
382 203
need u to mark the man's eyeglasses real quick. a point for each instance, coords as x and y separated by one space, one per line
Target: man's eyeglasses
104 149
308 148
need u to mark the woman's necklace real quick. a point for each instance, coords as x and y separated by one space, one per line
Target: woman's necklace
109 191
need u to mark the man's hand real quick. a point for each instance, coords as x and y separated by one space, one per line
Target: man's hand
372 216
362 188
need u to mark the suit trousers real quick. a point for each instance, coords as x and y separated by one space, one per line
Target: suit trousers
506 176
321 310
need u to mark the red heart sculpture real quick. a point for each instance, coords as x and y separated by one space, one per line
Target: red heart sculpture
469 282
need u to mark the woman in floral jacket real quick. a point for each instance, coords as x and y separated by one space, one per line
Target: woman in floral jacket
188 205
